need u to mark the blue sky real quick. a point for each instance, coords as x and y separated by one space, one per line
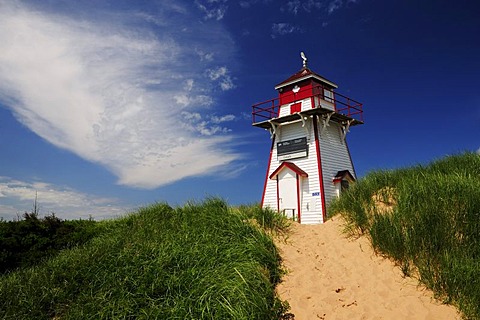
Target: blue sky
107 106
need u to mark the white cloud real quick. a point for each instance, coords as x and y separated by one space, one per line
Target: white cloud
204 56
195 116
212 9
334 5
280 29
206 126
310 5
66 203
226 84
244 4
294 6
330 6
186 100
221 75
216 73
225 118
478 151
110 92
189 84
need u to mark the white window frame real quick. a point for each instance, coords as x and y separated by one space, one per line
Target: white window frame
328 95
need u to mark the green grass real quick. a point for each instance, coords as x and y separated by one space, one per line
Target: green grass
432 226
200 261
266 218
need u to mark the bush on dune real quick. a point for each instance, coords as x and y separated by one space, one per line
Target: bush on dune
28 241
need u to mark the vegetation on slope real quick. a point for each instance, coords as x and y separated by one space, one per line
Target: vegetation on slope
26 242
427 218
200 261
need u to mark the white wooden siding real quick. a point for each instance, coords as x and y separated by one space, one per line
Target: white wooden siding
285 109
311 206
324 104
335 157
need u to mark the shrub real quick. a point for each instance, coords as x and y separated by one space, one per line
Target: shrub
27 242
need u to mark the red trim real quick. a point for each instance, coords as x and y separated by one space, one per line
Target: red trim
278 197
290 166
268 170
298 198
319 163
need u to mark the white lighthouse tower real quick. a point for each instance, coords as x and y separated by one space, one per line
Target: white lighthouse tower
309 163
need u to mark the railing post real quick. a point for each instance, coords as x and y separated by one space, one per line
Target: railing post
268 109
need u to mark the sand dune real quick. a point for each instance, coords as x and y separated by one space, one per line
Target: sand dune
332 277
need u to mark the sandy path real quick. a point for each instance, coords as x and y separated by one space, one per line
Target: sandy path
331 277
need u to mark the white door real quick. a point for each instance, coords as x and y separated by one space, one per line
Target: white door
287 193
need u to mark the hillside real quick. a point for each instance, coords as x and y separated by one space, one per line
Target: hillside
427 220
211 261
200 261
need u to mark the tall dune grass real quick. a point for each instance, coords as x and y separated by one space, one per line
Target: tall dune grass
200 261
427 218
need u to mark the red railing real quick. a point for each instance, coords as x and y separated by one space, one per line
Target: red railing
343 105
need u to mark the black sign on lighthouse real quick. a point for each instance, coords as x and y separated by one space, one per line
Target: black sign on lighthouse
309 162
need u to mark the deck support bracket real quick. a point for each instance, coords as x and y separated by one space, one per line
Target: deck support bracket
346 128
274 130
326 121
305 124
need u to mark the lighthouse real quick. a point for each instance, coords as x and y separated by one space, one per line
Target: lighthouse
309 162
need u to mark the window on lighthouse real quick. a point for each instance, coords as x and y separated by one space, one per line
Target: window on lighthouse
295 107
328 95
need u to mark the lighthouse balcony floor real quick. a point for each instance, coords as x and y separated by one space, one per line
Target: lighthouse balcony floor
340 109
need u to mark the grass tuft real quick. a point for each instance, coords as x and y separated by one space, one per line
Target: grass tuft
426 218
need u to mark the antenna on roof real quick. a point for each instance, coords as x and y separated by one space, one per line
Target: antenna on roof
304 58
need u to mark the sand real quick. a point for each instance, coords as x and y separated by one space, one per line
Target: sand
332 277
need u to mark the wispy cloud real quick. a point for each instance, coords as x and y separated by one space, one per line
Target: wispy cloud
221 75
212 9
294 6
206 126
281 29
225 118
249 3
334 5
112 89
71 203
306 6
204 56
297 6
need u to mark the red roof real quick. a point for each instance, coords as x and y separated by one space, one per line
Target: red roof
290 166
303 74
